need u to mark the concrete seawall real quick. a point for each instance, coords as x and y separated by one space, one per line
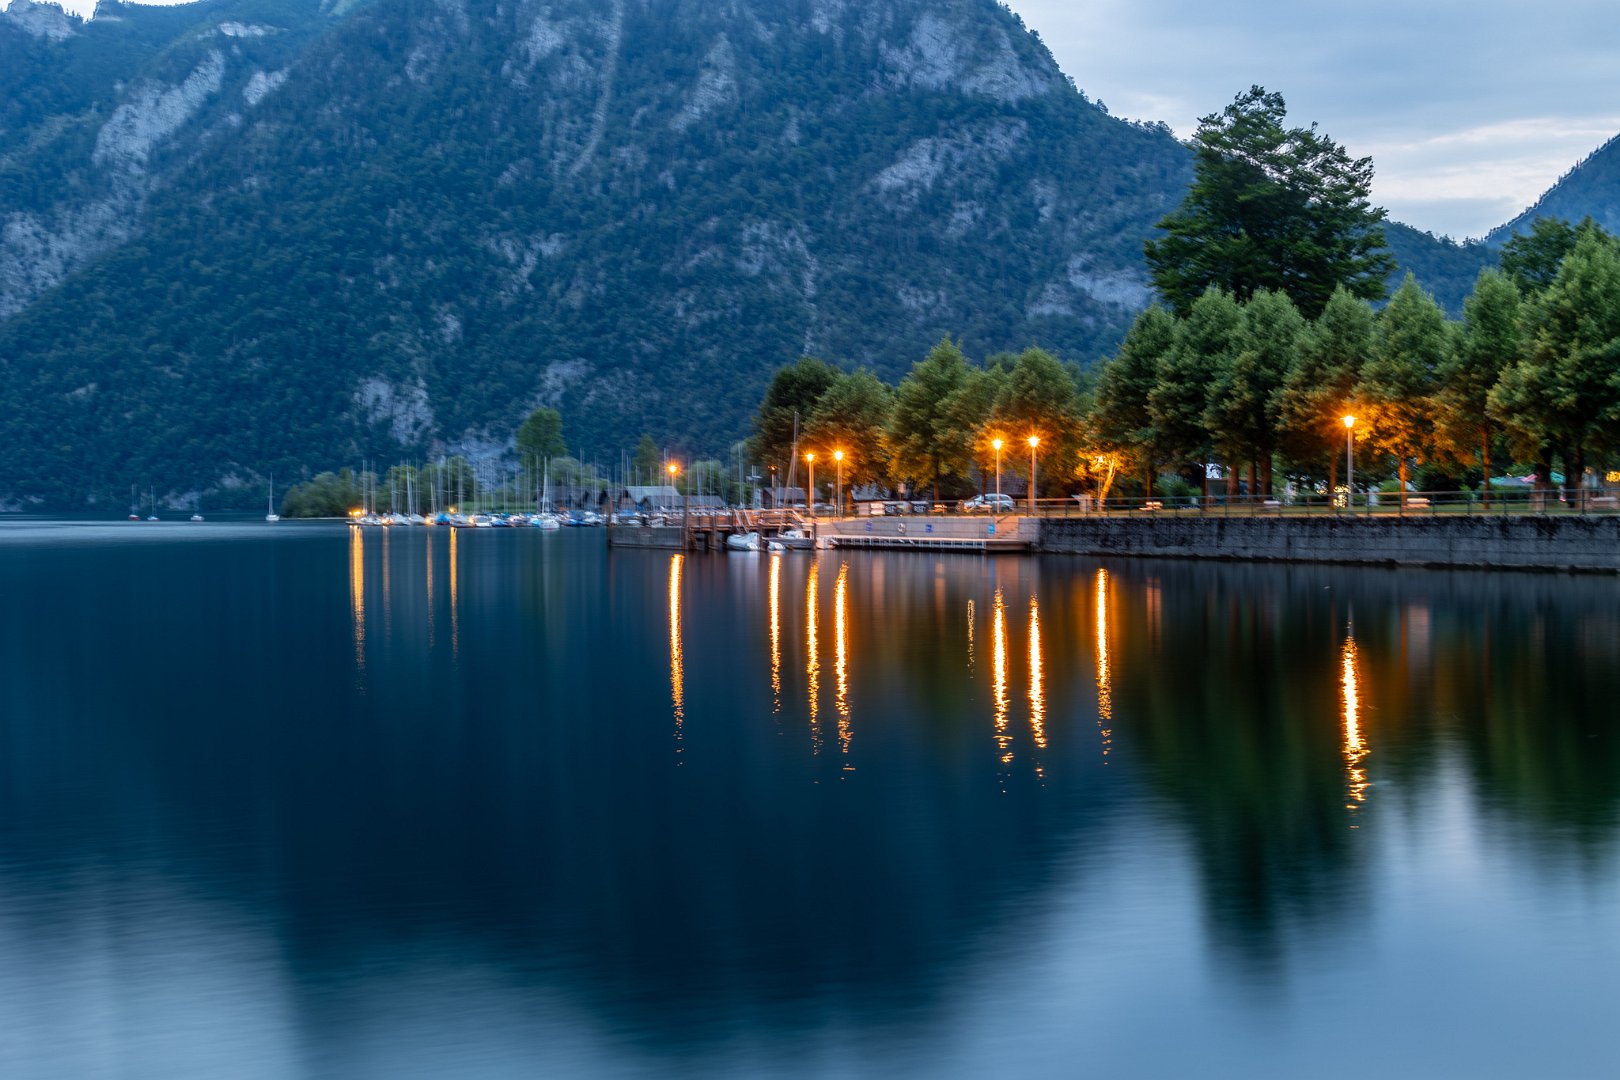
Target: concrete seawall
1590 544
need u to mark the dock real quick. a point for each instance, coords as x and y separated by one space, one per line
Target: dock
1000 535
708 532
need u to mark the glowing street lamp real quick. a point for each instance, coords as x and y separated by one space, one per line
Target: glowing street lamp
1349 462
838 497
1034 441
673 469
998 444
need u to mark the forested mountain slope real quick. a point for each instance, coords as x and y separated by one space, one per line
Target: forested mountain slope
245 236
299 238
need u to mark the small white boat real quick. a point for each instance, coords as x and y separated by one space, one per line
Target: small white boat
196 517
270 503
748 541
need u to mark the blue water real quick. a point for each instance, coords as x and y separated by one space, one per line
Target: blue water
297 800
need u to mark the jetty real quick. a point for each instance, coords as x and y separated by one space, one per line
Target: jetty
707 531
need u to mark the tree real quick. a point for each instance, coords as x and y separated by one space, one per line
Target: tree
970 419
1206 340
1122 418
540 436
1271 207
1243 404
1565 394
853 416
1039 397
1320 388
1398 384
924 440
648 462
1491 339
789 401
1531 260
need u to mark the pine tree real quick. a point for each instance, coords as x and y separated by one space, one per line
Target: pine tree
1271 207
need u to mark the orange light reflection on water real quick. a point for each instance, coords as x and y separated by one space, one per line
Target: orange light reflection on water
841 657
455 595
432 602
1355 749
1037 681
998 669
812 655
776 631
677 654
1105 679
357 595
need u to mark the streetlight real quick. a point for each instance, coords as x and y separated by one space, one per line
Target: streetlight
673 469
838 499
1349 462
997 443
1034 441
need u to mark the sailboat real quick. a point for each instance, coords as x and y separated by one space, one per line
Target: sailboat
134 505
546 519
270 503
152 498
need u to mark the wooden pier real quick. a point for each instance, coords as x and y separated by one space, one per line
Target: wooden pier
704 530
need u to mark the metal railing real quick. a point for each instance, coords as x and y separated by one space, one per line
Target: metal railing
1499 503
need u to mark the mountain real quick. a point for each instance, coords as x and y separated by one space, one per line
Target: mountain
1590 189
249 236
275 236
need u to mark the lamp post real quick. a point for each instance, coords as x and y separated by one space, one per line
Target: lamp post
810 503
1350 463
1034 441
673 469
997 443
838 498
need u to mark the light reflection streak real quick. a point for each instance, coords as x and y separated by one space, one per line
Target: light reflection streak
357 595
970 619
455 597
1105 680
1037 684
812 656
1355 750
776 631
387 591
431 603
841 658
677 654
998 668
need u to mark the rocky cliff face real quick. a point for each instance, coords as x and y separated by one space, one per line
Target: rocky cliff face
276 236
249 235
89 107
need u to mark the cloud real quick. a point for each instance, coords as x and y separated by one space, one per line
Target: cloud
1466 106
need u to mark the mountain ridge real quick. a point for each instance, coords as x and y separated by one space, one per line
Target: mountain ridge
282 235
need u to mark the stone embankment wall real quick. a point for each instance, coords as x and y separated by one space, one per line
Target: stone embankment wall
1528 543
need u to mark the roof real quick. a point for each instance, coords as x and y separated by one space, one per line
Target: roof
655 492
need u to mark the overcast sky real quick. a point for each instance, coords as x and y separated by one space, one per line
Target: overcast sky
1470 109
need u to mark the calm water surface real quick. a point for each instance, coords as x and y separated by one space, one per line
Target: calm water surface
304 801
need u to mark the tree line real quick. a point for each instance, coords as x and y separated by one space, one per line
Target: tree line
1530 374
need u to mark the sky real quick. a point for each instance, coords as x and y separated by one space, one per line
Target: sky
1470 109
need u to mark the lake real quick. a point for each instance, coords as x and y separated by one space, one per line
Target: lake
301 800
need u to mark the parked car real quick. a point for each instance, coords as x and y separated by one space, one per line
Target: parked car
988 504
